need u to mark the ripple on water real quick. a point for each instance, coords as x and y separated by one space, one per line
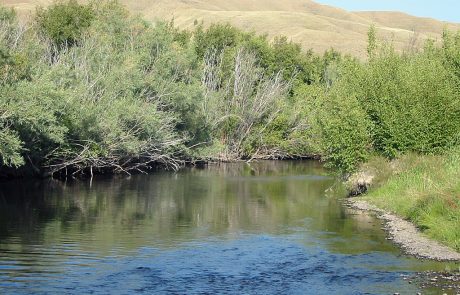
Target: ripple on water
257 265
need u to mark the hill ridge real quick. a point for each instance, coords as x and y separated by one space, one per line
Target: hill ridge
314 25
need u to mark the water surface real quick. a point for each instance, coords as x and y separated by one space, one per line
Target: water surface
264 228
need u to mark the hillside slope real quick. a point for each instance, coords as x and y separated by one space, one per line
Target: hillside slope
313 25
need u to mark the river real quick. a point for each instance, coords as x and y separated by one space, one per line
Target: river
265 228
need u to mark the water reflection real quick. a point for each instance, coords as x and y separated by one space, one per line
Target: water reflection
52 228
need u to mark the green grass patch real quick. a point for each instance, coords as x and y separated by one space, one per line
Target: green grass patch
426 191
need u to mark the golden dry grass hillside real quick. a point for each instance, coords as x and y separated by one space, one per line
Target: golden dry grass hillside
313 25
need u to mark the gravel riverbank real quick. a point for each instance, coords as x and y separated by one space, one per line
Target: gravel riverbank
406 235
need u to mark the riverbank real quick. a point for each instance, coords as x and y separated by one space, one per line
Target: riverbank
406 235
418 197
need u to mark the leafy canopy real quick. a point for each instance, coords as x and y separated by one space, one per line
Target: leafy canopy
64 22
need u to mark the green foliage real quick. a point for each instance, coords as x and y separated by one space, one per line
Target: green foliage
371 42
289 59
340 128
330 67
281 55
277 132
13 67
10 149
7 15
73 110
412 102
244 103
65 21
217 36
451 52
405 103
120 93
113 25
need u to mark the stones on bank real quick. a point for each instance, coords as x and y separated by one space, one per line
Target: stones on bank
402 232
406 235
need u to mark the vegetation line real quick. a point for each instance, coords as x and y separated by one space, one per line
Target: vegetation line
421 189
91 89
406 235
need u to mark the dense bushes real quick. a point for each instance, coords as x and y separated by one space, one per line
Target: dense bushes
88 87
413 104
91 104
391 105
64 22
340 128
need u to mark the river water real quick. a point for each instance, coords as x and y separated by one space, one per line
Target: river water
265 228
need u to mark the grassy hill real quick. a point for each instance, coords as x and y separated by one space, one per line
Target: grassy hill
313 25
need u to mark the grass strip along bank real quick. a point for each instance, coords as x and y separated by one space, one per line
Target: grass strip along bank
424 190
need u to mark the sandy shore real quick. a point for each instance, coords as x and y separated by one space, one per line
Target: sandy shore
406 235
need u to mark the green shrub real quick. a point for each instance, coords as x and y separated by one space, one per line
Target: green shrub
413 104
65 21
217 36
410 102
451 52
340 128
10 148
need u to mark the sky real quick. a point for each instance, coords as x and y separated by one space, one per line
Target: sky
447 10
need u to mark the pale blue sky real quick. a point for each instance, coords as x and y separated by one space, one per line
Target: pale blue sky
448 10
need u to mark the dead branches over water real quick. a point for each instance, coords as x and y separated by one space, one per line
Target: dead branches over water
238 104
81 159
